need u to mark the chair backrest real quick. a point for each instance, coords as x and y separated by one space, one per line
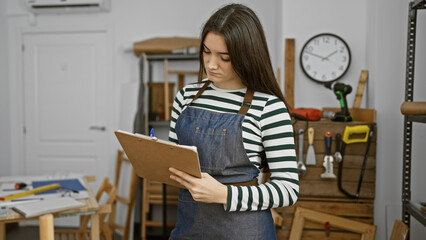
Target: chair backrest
128 201
400 231
108 189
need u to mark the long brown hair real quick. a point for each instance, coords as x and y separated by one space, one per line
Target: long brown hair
247 47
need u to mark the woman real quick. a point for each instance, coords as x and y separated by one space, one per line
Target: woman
239 122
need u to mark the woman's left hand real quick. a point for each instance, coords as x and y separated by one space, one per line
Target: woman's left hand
205 189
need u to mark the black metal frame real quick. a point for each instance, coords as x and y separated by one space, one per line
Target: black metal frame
408 208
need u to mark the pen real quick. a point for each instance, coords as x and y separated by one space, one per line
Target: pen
25 199
13 189
151 134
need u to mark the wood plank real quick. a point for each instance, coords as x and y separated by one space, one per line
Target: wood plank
279 77
317 188
359 114
164 45
352 209
348 175
157 105
315 235
360 89
288 221
289 72
166 90
349 162
304 214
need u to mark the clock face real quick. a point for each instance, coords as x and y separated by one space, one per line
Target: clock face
325 58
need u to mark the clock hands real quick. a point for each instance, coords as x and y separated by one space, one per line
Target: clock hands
324 58
329 55
313 54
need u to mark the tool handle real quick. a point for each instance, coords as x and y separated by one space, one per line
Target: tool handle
301 132
311 135
359 129
338 141
328 139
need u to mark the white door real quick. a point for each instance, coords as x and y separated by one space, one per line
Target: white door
67 103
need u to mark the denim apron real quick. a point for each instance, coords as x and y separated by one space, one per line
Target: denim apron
218 137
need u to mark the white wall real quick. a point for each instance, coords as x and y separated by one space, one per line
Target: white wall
389 51
375 31
4 95
304 19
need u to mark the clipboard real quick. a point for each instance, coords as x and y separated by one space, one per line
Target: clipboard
152 157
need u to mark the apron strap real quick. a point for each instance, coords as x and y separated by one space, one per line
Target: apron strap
200 91
245 106
246 102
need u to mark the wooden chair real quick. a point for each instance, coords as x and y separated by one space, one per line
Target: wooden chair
46 227
152 193
126 201
400 231
105 230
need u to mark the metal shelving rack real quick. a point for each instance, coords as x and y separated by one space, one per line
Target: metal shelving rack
410 208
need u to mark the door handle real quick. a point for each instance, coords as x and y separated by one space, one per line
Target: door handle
98 128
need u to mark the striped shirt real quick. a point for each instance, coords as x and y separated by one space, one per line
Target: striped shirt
266 128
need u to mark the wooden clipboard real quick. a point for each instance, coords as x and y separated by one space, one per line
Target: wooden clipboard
151 157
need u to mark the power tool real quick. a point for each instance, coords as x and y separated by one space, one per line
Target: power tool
310 114
341 90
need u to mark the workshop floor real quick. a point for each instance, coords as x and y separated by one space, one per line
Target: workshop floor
26 233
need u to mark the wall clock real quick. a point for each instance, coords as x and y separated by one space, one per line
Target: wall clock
325 58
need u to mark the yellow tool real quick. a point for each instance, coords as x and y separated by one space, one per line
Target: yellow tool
356 134
29 192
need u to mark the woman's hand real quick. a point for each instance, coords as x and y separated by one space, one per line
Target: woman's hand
205 189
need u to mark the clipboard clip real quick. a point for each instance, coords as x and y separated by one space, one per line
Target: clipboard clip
151 134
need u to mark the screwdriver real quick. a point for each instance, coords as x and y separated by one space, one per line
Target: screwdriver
20 185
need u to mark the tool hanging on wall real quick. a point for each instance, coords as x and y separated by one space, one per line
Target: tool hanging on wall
310 153
366 133
341 90
311 114
328 158
337 154
300 165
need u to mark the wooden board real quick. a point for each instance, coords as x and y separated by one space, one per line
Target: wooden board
359 114
328 223
157 97
362 211
289 72
360 90
323 195
312 185
151 157
165 45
